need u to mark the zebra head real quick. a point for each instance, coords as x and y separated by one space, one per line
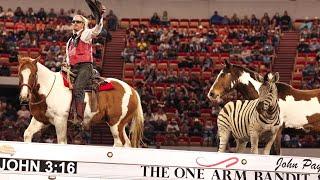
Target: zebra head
268 93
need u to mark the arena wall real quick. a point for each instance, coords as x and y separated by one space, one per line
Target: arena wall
182 8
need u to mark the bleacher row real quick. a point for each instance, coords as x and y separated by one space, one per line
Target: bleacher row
182 23
301 61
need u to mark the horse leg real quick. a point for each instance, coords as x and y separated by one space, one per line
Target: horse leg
116 135
33 128
269 144
61 130
276 146
126 138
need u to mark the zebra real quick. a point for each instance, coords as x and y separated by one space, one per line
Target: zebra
249 120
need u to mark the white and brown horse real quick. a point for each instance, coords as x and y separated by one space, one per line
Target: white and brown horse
299 109
49 102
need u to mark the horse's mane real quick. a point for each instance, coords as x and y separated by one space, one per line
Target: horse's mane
251 72
285 89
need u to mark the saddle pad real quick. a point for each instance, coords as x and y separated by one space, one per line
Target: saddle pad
106 86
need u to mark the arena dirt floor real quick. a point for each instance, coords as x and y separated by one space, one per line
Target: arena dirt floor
305 152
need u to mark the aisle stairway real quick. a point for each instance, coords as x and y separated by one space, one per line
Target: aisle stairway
284 62
112 65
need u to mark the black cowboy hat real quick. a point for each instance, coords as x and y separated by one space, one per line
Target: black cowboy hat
96 8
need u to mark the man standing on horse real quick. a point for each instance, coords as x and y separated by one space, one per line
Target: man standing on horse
79 54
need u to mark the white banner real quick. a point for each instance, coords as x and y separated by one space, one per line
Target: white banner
99 162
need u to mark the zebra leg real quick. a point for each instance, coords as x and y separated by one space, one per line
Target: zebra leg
241 145
224 139
266 149
254 139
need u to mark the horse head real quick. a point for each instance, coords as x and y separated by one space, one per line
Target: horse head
268 93
27 72
225 81
234 77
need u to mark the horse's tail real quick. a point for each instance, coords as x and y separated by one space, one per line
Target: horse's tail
137 124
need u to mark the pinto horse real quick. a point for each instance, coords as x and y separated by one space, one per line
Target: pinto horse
299 109
49 102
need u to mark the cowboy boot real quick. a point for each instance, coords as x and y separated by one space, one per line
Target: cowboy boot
80 106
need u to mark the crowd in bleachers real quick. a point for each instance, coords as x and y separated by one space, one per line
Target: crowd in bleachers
306 73
174 63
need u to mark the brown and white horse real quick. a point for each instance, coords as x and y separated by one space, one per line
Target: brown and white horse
49 102
299 109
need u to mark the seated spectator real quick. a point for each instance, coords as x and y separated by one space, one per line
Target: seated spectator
265 21
208 131
150 54
196 129
276 19
285 21
234 20
286 140
18 14
267 53
314 45
2 13
172 132
24 113
246 56
216 19
155 19
303 47
4 70
9 14
159 126
254 21
225 20
41 15
52 15
112 21
142 45
30 15
207 62
309 70
245 21
129 54
165 19
160 115
148 133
